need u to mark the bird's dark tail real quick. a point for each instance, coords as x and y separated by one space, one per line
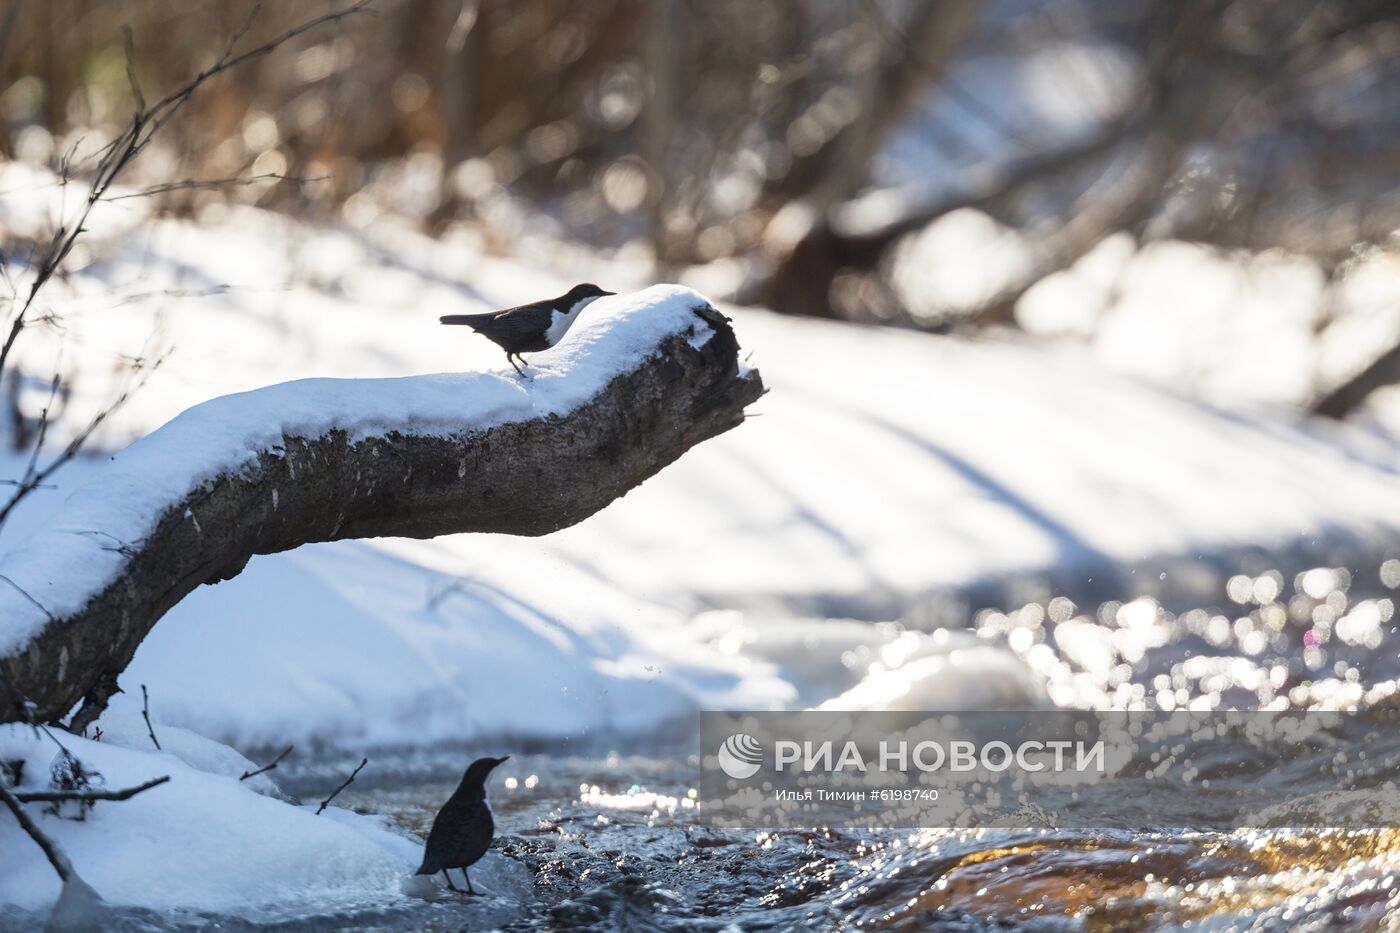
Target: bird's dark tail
471 320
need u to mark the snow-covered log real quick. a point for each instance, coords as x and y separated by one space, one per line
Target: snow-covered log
639 380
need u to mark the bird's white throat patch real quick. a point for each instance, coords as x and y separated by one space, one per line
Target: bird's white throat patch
562 322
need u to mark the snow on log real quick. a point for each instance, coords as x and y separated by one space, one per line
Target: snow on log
639 380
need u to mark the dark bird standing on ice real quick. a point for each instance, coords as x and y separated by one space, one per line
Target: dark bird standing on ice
462 831
533 327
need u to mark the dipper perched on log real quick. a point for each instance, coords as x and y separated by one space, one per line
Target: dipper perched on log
462 831
533 327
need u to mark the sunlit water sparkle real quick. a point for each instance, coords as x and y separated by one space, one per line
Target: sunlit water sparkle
612 842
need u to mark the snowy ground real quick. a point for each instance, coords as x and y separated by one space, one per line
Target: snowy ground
207 843
955 464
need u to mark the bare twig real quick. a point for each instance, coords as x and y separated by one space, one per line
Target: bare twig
267 767
51 849
25 593
114 158
35 479
58 796
348 781
56 856
161 112
129 45
31 469
146 715
241 181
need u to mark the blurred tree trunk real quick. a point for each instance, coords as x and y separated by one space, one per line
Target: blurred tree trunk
886 92
661 51
455 85
1170 113
1350 395
799 240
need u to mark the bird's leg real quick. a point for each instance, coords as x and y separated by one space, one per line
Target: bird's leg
470 889
511 361
449 881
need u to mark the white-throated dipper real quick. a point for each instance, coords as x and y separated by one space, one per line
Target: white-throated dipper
462 831
533 327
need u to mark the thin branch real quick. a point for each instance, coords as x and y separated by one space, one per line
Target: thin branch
55 855
34 602
129 45
36 479
135 297
348 781
161 112
240 181
40 727
267 767
146 715
1007 180
145 124
31 469
58 796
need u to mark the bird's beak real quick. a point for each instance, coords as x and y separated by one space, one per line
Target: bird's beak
604 295
500 761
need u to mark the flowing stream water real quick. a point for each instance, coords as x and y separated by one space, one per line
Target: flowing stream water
607 840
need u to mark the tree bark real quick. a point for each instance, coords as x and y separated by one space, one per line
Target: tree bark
525 477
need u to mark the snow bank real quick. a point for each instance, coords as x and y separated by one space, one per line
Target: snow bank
123 726
206 842
347 642
127 497
845 664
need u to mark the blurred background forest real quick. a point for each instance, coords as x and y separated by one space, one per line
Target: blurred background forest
1202 193
1064 300
1061 303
